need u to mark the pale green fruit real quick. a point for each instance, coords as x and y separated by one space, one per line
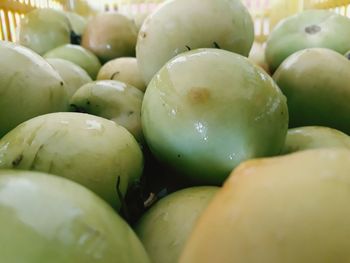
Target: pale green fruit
314 137
316 82
87 149
123 69
164 229
110 36
77 22
208 110
257 56
78 55
113 100
44 29
44 218
29 86
73 75
179 25
139 18
309 29
287 209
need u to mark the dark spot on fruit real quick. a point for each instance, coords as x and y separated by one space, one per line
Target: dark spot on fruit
189 49
198 95
115 74
143 34
61 83
313 29
130 113
216 45
76 108
17 161
88 102
178 156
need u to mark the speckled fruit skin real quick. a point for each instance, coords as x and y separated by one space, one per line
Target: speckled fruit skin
79 56
316 82
315 137
44 218
287 209
113 100
29 86
208 110
90 150
309 29
179 25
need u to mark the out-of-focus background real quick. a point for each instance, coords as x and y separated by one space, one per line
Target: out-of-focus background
266 13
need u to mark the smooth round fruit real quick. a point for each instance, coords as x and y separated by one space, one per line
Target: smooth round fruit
113 100
164 229
287 209
78 55
29 86
73 75
87 149
316 83
208 110
123 69
314 137
110 36
179 25
312 28
45 218
44 29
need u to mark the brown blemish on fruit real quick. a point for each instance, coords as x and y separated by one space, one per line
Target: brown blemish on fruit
143 34
198 95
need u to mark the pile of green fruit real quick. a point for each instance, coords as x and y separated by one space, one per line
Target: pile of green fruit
173 140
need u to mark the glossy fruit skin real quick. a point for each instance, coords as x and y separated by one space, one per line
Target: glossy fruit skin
73 75
286 209
110 36
113 100
164 228
316 83
309 29
314 137
123 69
179 25
87 149
55 220
78 55
208 110
44 29
29 86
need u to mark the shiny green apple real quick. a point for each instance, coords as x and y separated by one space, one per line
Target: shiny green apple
29 86
90 150
312 28
314 137
208 110
44 218
124 70
78 55
180 25
164 228
74 76
316 82
113 100
286 209
44 29
110 35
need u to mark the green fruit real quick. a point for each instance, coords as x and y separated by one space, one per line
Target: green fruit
180 25
73 75
316 83
89 150
123 69
110 36
164 229
312 28
78 55
139 18
314 137
29 86
44 29
208 110
113 100
287 209
45 218
257 56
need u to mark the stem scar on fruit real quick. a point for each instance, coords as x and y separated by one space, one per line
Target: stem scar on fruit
115 74
18 160
189 49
